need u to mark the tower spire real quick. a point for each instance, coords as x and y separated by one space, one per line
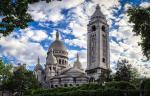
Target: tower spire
57 35
77 63
97 7
77 56
38 60
98 13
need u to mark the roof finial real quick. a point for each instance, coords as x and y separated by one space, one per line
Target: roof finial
97 6
51 51
77 57
57 35
38 61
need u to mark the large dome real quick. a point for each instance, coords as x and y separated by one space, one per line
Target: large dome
57 44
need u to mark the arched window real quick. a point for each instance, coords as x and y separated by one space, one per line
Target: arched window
56 86
92 79
59 80
103 60
70 84
93 28
59 61
103 28
74 79
62 61
65 85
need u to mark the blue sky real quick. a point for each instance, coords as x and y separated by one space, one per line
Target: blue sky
70 18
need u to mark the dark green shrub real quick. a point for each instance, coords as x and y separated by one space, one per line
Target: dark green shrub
146 85
110 89
119 85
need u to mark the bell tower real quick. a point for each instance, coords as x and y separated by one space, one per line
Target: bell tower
98 57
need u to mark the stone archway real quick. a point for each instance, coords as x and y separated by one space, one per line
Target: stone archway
92 79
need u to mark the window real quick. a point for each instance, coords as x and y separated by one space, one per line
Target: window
93 28
59 80
56 86
103 28
65 85
59 61
62 61
54 68
74 80
103 60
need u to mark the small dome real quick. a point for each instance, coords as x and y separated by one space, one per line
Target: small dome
77 63
73 72
57 44
38 66
51 59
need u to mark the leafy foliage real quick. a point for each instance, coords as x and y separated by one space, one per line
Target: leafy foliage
34 1
21 81
124 71
147 87
14 15
140 17
90 90
119 85
5 72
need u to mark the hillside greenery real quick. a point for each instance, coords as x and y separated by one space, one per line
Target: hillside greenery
114 88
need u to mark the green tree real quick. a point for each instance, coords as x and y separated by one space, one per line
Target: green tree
124 71
21 81
140 17
14 15
5 72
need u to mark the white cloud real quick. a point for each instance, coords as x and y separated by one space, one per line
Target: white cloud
76 42
24 52
127 6
126 45
19 46
43 11
36 35
145 4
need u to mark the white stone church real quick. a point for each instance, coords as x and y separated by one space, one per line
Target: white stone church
58 73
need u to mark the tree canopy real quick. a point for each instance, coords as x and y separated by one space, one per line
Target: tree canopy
5 72
14 15
21 81
140 17
124 71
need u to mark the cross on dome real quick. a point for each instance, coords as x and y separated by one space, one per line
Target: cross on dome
57 35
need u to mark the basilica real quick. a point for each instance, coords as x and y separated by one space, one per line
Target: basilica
58 73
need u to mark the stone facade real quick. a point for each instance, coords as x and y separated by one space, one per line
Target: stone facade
57 72
97 46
